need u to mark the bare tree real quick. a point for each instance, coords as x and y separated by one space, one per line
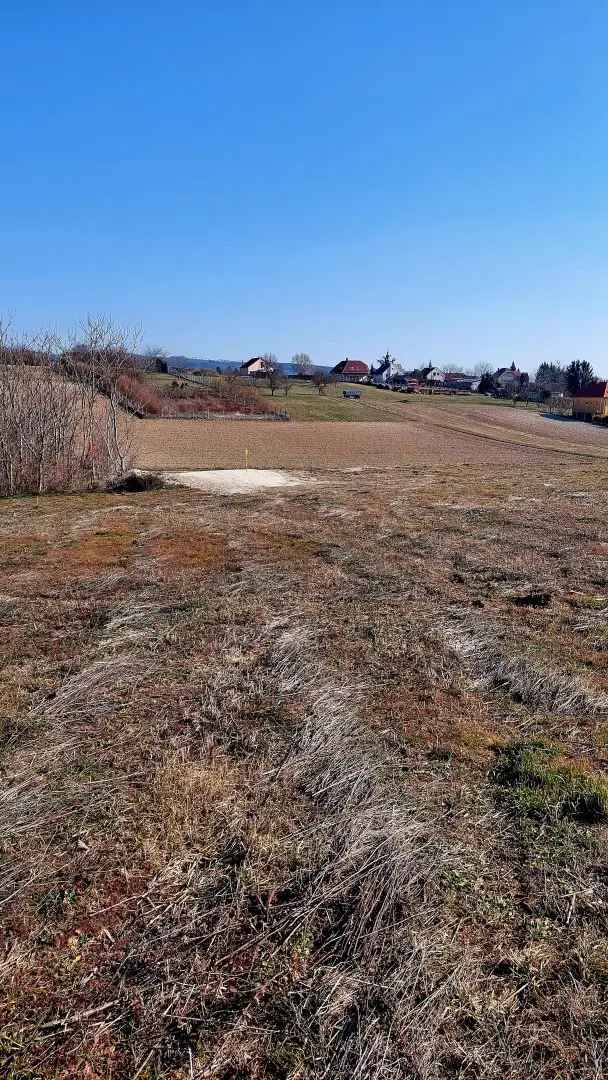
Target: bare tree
321 379
270 362
275 380
303 363
156 359
550 378
483 368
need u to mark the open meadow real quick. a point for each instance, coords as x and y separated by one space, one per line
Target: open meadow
310 783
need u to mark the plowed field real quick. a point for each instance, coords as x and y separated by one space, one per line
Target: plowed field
426 435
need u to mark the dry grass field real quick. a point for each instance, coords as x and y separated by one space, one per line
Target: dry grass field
309 784
415 433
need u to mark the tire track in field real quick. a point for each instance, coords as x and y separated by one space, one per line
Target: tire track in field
526 441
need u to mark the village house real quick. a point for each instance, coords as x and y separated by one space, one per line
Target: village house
450 380
350 371
508 378
404 381
383 374
591 401
255 366
434 376
457 380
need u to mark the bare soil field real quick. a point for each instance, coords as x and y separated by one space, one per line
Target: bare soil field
423 434
309 783
504 421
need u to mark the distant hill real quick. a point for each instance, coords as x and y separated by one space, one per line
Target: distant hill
202 362
226 365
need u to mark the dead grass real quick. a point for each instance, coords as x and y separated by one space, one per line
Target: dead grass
496 666
189 548
294 787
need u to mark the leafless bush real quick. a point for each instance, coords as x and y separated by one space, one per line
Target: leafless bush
57 432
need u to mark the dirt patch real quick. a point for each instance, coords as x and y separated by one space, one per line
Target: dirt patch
234 481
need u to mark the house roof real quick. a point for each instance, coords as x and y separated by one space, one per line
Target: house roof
350 367
254 360
599 388
459 375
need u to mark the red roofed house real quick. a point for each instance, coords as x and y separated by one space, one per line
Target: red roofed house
591 401
350 371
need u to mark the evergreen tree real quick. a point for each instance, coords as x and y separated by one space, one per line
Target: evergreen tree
578 374
486 383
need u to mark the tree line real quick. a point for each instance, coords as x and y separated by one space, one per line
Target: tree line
551 378
559 380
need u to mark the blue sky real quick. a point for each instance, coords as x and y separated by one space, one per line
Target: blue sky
336 178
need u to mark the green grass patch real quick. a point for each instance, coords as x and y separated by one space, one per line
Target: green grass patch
544 783
592 602
304 402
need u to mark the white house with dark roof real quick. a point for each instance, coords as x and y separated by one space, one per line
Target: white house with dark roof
506 378
255 366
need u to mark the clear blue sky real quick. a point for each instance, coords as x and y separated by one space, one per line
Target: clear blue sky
428 177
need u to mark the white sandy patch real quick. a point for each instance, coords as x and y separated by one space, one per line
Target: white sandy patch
234 481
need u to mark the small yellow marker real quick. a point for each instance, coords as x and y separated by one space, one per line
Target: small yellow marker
246 459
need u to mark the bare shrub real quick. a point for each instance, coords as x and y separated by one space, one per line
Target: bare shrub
138 393
103 357
227 394
56 432
241 397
